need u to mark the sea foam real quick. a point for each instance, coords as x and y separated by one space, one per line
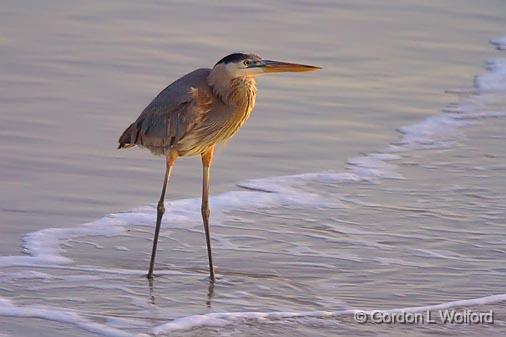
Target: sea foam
44 248
228 318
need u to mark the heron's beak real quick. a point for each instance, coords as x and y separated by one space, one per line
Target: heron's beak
269 66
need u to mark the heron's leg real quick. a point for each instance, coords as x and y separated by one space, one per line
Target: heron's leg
207 158
170 160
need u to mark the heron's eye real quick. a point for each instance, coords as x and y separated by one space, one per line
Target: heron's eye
247 62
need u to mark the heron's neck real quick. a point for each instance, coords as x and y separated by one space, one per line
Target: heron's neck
239 91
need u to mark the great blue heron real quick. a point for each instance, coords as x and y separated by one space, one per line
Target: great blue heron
193 114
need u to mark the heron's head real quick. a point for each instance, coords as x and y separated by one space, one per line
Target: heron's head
250 65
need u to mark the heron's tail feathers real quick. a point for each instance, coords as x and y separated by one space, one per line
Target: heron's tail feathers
125 140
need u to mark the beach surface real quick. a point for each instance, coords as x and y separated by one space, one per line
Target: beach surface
374 184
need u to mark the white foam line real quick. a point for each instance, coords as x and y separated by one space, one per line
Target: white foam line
9 309
228 318
500 42
482 115
45 247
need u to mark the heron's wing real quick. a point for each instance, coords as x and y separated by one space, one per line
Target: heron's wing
171 115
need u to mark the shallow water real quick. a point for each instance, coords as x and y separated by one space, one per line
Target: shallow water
417 221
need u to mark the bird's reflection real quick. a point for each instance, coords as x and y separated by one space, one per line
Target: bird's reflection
210 293
151 291
152 296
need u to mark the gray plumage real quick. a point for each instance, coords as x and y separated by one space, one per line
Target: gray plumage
196 112
190 115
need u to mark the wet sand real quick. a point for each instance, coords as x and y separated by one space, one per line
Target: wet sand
78 74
